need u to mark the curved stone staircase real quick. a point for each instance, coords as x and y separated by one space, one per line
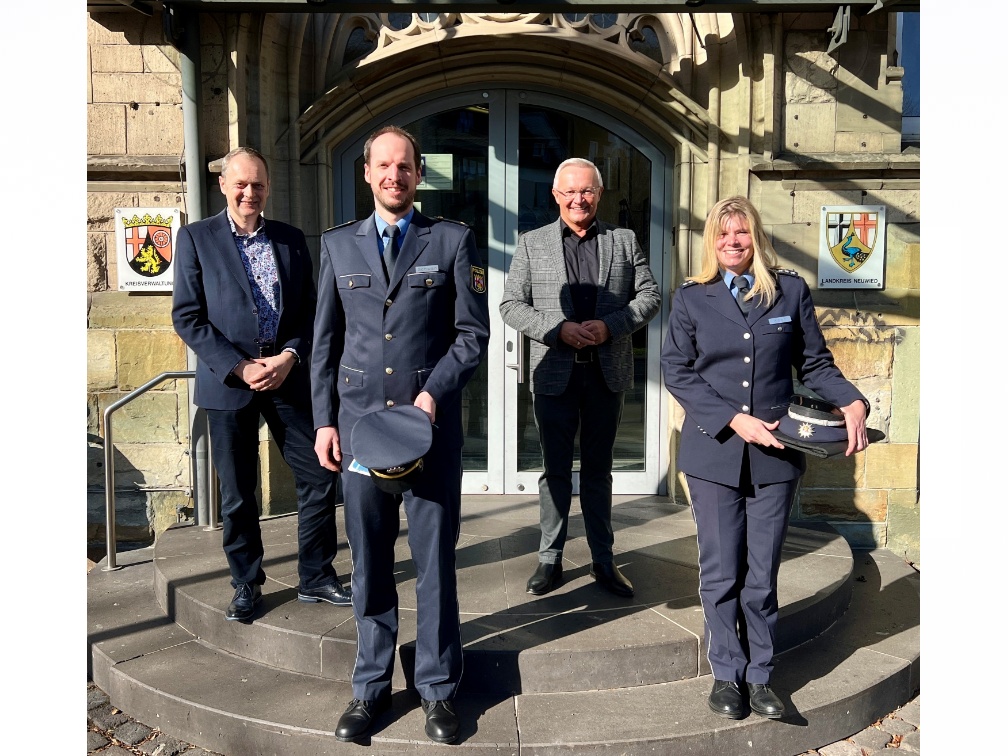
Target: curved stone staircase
575 671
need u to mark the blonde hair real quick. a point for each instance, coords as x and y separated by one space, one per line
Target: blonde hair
764 256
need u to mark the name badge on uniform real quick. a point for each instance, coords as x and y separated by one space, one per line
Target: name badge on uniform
781 319
426 268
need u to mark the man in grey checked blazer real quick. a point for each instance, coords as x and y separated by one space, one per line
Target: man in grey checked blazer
578 288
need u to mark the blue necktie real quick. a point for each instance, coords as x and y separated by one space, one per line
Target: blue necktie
742 284
391 250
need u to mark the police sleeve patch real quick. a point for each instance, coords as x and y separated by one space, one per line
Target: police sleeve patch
477 279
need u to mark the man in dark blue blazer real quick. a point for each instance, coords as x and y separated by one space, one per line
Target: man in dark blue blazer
244 301
399 323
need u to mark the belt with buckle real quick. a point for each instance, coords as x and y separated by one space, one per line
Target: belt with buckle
266 348
583 357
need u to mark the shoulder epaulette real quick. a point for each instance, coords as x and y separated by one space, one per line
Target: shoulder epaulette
684 284
341 225
452 220
787 272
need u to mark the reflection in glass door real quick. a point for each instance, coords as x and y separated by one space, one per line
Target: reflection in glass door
491 156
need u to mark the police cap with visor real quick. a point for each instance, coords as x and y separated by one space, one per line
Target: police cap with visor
390 443
816 427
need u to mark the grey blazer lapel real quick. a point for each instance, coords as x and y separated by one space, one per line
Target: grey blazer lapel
605 247
555 252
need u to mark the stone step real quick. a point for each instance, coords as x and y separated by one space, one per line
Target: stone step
865 665
577 638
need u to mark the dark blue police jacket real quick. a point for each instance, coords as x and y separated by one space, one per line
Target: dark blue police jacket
379 345
717 362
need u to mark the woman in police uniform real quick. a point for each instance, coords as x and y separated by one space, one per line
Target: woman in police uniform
735 332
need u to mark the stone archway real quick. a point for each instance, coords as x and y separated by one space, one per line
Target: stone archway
322 76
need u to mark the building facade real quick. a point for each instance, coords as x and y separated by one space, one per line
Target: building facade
677 109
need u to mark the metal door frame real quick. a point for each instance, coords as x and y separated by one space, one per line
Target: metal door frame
501 475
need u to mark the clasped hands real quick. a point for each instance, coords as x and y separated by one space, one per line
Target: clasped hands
266 373
586 334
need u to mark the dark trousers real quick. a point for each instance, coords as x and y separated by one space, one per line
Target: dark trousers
234 440
740 534
587 402
433 514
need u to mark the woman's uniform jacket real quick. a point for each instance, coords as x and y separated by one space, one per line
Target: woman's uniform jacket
718 362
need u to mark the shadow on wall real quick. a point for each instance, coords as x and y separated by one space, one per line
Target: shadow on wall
133 505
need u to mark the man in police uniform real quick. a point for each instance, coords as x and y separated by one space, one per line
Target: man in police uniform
399 322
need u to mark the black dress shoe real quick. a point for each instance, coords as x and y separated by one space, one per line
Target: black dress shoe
331 594
764 701
609 577
356 720
548 575
242 606
442 723
726 700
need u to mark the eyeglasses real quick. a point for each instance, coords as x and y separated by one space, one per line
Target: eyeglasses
588 194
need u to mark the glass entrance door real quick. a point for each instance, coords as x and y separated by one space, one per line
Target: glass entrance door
490 157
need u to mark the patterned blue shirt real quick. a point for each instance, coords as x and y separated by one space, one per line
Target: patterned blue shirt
260 266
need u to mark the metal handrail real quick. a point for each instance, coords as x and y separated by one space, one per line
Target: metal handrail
110 539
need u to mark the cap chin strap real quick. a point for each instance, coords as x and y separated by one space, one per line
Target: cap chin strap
394 473
810 416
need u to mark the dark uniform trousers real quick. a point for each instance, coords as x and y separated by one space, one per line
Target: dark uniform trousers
588 401
234 441
433 514
740 532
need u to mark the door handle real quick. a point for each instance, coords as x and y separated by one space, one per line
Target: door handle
514 351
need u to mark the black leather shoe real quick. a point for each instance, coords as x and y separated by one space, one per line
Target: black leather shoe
609 577
442 725
548 575
357 719
242 606
331 594
764 701
726 700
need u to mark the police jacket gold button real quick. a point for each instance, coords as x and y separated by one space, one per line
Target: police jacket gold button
746 335
389 403
388 302
745 384
746 360
388 337
388 371
429 281
350 284
745 407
